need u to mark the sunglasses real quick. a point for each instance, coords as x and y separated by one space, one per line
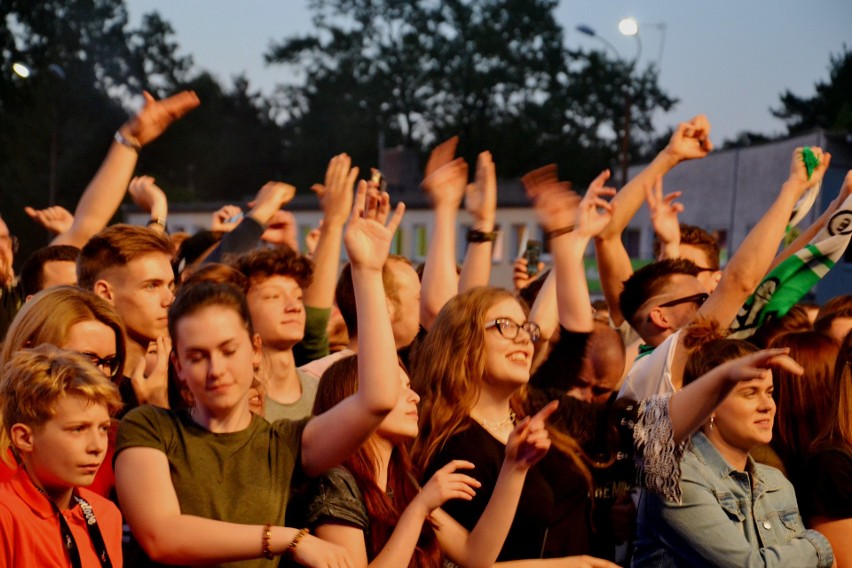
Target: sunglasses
698 299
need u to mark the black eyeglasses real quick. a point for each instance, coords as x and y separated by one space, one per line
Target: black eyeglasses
510 329
698 299
13 242
110 364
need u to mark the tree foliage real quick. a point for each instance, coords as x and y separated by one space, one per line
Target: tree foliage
830 107
493 71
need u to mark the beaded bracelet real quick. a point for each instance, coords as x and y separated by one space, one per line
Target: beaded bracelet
291 548
267 538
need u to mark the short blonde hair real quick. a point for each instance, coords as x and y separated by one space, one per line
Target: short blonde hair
33 380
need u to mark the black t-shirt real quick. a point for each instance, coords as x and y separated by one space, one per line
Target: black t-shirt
825 484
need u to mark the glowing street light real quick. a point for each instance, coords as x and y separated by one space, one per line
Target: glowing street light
21 70
628 26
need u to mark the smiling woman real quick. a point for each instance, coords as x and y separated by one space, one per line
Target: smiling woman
733 512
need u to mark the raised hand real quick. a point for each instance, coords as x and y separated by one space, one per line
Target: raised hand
447 484
150 378
664 212
445 179
554 202
529 441
226 218
272 196
55 219
442 155
156 116
281 230
798 177
317 553
691 140
335 195
521 277
148 197
369 233
757 365
481 196
594 212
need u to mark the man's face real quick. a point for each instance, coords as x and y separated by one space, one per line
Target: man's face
141 291
708 277
405 317
596 386
277 311
672 304
7 273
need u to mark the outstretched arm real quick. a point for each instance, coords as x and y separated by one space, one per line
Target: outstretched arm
104 193
332 436
445 182
481 202
335 197
691 140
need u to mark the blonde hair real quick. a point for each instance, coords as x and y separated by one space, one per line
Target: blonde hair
33 380
449 368
50 314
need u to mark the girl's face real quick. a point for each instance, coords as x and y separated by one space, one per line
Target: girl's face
744 419
215 358
401 424
507 360
96 341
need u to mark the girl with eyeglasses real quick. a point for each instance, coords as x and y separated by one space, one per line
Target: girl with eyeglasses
76 320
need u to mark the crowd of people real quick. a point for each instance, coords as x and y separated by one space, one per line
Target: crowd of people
226 399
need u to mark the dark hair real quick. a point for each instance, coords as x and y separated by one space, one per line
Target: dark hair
32 272
116 246
338 382
697 237
259 264
219 273
344 292
529 293
647 282
193 250
796 319
191 299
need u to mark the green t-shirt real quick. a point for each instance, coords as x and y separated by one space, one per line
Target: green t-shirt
241 477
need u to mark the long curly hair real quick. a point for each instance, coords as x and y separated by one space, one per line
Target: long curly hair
338 382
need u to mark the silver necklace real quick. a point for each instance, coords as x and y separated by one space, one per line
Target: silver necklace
499 426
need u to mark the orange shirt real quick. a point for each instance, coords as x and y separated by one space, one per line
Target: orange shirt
29 527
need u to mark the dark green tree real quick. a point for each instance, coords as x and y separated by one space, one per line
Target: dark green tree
830 107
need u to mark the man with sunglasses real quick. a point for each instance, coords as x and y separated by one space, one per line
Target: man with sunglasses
661 299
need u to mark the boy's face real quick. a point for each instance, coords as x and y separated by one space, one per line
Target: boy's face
277 311
67 450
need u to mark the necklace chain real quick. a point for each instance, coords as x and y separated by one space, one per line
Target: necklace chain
498 426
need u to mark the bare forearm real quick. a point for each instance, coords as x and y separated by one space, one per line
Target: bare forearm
614 268
544 311
320 294
102 196
476 268
440 282
692 406
572 291
400 546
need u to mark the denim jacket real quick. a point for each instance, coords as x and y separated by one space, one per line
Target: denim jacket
727 518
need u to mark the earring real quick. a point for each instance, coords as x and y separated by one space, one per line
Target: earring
712 422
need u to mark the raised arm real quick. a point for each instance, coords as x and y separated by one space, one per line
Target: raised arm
335 197
150 198
332 436
104 193
664 211
751 261
481 202
444 182
690 140
55 219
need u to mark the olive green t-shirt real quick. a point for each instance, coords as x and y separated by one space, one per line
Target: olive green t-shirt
240 477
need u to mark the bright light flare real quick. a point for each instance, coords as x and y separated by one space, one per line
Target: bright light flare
21 70
628 26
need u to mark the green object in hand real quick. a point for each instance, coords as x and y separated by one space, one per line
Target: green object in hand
811 161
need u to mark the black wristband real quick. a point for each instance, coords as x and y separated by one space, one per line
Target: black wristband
474 236
550 235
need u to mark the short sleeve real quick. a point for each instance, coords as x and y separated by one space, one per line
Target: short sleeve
336 497
142 426
657 456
